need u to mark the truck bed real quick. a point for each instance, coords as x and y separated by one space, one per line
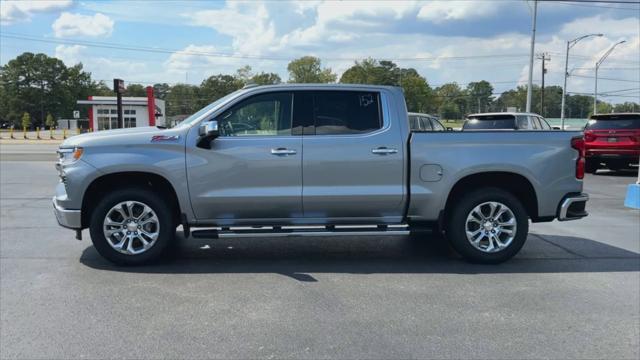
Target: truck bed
439 160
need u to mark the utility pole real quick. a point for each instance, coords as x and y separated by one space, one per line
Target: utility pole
118 88
570 44
595 90
544 57
533 45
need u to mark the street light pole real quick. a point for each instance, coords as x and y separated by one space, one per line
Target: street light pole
570 44
533 45
595 90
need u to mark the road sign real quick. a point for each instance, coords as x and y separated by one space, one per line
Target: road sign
118 86
76 114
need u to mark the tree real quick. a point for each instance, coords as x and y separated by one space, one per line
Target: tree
627 106
136 90
308 69
451 100
417 92
160 91
26 120
217 86
480 95
244 74
266 79
38 84
182 100
50 122
449 110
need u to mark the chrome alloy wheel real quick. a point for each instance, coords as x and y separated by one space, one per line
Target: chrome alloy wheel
491 227
131 227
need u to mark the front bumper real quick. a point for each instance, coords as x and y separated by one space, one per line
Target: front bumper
573 207
71 219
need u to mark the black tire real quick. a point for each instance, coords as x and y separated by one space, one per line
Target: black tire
590 167
457 218
166 233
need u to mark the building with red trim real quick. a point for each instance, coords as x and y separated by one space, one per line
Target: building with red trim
136 111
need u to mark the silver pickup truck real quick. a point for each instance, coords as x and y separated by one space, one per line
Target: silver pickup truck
314 160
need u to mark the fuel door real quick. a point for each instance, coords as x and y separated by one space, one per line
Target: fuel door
431 172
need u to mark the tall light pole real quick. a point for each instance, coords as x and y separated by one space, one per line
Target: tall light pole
533 45
570 44
595 89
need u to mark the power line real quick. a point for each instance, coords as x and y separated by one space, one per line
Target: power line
229 55
604 78
596 6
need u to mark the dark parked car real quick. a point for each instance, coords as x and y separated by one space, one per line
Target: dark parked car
505 121
425 122
612 140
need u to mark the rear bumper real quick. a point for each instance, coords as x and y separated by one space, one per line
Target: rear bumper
71 219
573 207
596 152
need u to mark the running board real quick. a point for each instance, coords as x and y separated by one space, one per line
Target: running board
286 231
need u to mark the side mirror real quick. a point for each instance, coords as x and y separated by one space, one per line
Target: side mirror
449 128
207 132
556 128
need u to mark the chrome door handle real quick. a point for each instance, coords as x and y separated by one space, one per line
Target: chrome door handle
282 151
384 151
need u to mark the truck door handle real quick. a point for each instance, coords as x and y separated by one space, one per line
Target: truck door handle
384 151
282 151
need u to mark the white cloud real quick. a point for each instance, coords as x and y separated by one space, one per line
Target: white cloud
609 26
69 54
441 11
197 62
69 24
15 11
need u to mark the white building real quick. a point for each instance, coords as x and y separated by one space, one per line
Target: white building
136 111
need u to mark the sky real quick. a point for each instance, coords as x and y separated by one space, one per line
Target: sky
463 41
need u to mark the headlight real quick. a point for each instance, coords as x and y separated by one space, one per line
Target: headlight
69 155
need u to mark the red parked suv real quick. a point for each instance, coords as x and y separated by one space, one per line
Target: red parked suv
612 140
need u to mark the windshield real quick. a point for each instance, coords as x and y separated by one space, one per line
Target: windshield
195 117
500 122
622 122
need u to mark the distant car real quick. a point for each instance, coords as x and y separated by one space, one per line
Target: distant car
425 122
612 140
505 121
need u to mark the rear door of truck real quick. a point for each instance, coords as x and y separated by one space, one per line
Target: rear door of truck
353 164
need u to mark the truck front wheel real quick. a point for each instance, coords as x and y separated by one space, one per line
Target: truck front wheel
131 226
488 225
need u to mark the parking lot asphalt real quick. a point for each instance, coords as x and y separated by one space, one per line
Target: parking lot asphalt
573 291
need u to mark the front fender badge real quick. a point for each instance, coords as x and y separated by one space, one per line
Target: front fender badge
165 138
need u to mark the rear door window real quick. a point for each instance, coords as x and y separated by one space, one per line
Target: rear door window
426 124
436 125
535 122
544 123
414 122
346 112
523 122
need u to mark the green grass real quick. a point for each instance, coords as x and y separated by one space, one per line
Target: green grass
456 124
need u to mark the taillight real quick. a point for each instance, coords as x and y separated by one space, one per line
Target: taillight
589 136
578 144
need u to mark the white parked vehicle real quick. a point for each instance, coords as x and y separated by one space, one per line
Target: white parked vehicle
505 121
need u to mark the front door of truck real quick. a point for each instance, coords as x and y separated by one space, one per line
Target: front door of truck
353 164
253 170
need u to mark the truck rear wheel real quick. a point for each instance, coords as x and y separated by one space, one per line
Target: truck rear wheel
132 226
488 225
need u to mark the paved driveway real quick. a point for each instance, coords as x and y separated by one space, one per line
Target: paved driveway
573 292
